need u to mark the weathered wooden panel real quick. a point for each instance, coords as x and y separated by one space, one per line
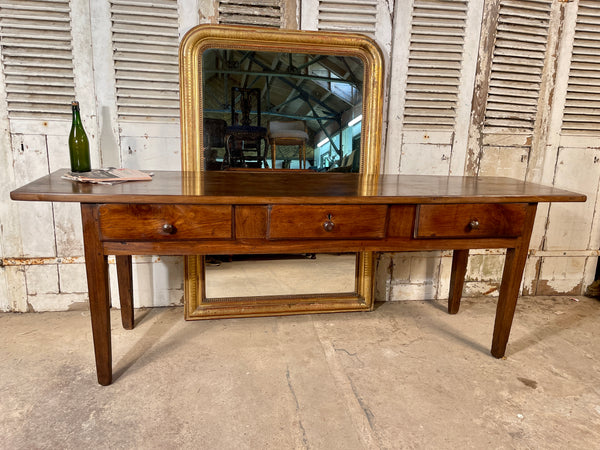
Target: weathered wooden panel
58 151
424 159
72 278
531 275
266 13
485 267
4 300
55 302
42 279
157 283
37 223
10 239
151 153
68 231
13 290
427 137
570 224
561 276
383 276
504 162
415 276
538 235
484 273
506 140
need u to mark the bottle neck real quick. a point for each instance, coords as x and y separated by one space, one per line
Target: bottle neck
76 115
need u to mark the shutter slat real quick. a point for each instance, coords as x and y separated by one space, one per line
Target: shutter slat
145 42
517 63
340 15
37 58
582 108
267 13
434 64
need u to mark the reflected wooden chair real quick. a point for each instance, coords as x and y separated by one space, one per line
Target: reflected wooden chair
246 142
288 133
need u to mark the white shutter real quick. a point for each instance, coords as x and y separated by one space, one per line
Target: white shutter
582 108
517 66
435 62
37 59
266 13
359 16
145 52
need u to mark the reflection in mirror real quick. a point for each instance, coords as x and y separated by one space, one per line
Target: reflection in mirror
265 109
279 275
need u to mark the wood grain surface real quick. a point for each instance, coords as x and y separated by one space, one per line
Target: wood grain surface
270 186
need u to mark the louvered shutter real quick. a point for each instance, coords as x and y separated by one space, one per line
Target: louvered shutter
145 45
434 66
359 16
582 108
266 13
37 58
517 66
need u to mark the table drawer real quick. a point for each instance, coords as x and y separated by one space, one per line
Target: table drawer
470 220
327 221
175 222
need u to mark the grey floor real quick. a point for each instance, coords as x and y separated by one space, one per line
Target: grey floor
407 375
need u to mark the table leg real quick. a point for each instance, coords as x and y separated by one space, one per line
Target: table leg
273 154
512 275
125 279
96 264
460 259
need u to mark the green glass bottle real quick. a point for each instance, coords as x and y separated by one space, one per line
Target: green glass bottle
79 147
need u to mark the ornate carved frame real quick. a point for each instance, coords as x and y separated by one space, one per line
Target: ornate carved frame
204 37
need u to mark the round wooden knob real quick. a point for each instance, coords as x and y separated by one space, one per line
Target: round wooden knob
328 225
169 228
474 224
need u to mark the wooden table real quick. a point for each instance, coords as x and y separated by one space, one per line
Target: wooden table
275 212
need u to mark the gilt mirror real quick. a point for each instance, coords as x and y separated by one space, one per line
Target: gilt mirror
261 99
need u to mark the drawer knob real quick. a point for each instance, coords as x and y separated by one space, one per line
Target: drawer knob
169 228
474 224
328 224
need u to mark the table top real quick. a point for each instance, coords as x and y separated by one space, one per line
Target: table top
271 186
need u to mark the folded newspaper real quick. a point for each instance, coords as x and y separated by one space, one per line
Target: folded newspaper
108 176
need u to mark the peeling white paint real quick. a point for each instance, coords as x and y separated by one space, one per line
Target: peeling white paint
425 159
72 278
42 279
504 162
480 288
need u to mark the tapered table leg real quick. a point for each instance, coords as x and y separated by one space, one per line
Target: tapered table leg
512 275
460 258
96 264
125 279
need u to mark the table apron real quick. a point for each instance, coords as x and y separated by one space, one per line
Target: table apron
262 246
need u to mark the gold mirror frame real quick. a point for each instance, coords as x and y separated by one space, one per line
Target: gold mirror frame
204 37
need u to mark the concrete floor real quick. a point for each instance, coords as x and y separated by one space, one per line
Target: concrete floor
407 375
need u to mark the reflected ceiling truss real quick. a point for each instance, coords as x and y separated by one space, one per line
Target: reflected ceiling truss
317 89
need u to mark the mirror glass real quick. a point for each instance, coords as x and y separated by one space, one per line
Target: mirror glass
281 110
